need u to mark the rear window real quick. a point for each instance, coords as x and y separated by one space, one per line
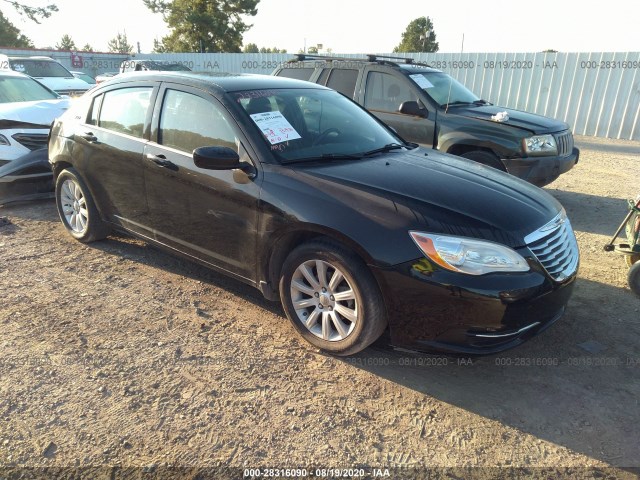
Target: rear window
297 73
344 81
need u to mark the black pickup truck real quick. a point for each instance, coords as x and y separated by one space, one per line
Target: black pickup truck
429 107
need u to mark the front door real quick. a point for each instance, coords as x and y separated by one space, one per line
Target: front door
208 214
384 93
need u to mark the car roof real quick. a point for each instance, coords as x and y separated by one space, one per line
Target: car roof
42 58
217 81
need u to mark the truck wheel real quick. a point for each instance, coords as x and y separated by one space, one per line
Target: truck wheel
485 158
634 279
632 259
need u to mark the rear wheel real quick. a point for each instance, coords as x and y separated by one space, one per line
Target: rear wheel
77 209
634 278
485 158
331 298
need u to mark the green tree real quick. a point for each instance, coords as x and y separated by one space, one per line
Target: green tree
10 36
66 43
158 46
418 37
272 50
120 44
87 48
32 13
251 48
313 50
204 25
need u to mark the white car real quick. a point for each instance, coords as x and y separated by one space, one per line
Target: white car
51 74
27 110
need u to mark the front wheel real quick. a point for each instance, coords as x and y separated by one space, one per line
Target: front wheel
77 209
331 298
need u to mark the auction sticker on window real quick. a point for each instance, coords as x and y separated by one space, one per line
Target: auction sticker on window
275 127
421 81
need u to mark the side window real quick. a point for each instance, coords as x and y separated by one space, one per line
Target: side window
188 122
92 118
125 110
344 81
386 92
297 73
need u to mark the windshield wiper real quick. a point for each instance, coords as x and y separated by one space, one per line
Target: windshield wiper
386 148
482 102
457 102
325 156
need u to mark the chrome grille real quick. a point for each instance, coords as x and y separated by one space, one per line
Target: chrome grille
555 247
565 143
71 93
33 141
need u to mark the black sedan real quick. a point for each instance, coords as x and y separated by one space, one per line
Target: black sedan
296 190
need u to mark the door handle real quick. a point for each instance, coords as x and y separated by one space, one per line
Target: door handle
160 160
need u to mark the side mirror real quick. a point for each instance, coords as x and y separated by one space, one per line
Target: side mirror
216 158
412 108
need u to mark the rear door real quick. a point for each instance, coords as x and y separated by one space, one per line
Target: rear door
108 152
343 80
383 95
208 214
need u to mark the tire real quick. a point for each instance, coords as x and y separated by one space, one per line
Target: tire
72 194
634 278
343 324
485 158
632 259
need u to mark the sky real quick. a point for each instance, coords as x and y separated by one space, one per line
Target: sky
363 26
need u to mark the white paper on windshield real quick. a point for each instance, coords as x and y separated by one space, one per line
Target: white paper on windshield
275 127
421 81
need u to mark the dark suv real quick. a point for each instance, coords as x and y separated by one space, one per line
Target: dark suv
429 107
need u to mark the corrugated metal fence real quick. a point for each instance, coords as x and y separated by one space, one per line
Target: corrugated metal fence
597 94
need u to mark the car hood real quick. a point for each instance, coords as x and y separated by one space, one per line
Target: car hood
38 114
531 122
449 194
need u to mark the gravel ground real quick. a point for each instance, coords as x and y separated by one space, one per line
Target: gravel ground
117 354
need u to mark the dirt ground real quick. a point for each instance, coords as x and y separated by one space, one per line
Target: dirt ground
117 354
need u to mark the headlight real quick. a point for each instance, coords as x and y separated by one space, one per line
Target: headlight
467 255
540 145
4 140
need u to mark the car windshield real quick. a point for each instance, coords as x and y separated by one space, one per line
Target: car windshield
23 89
314 124
40 68
444 89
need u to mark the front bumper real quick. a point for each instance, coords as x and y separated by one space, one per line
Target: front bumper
541 171
27 178
436 310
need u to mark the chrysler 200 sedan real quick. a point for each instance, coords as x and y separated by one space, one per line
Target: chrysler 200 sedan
295 189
